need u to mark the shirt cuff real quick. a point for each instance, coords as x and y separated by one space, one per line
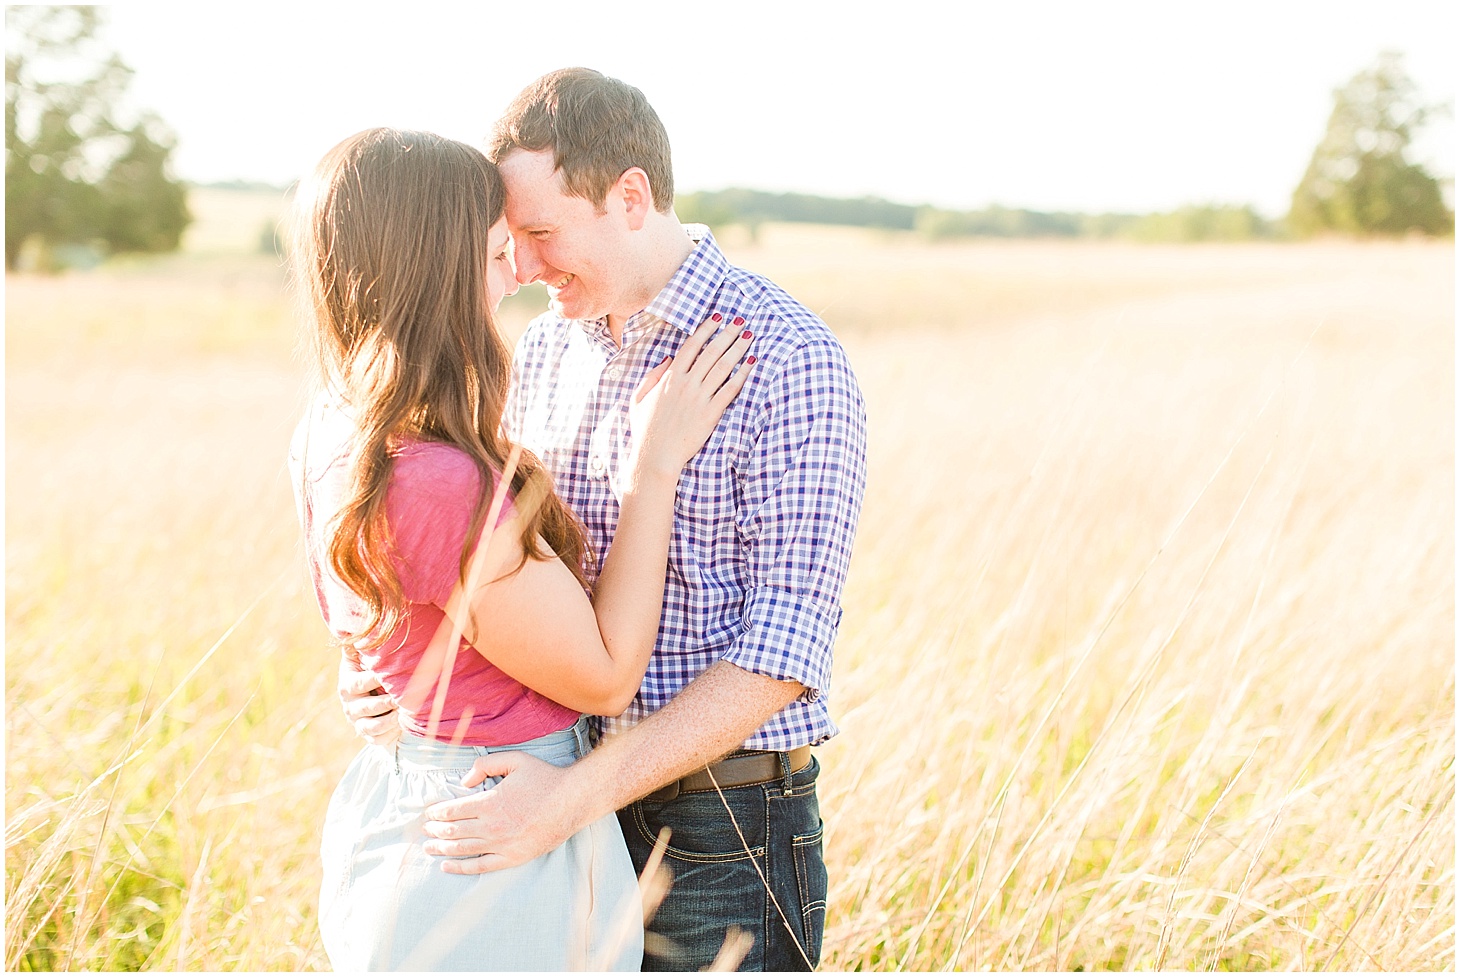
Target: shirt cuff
787 637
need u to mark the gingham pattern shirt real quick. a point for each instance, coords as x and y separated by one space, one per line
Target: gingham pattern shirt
765 513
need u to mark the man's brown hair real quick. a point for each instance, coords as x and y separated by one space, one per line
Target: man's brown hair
596 126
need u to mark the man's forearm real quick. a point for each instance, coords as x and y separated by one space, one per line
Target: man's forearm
535 807
709 718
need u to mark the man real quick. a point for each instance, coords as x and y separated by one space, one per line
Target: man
764 522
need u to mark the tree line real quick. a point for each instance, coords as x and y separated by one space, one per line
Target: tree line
751 208
78 173
1360 181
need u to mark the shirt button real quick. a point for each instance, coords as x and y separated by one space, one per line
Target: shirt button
597 465
614 373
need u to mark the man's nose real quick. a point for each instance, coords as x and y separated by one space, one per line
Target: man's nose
529 267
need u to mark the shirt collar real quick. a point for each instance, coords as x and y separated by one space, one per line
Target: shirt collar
686 301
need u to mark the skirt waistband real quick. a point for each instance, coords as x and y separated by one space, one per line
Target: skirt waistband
559 748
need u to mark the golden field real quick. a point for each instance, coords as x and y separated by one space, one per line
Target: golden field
1147 659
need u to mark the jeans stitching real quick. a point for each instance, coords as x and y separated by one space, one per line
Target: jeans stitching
703 858
802 850
771 916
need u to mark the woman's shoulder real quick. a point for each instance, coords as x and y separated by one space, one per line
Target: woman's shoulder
437 472
435 468
433 457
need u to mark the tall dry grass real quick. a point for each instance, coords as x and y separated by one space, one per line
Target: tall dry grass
1148 650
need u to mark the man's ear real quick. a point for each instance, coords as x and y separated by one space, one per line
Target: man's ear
633 193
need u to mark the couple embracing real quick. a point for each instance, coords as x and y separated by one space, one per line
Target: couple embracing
598 582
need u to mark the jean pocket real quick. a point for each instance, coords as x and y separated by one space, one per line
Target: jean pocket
703 827
811 885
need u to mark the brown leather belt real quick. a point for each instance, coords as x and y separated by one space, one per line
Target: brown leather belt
736 770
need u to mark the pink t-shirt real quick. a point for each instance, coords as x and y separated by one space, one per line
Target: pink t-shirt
432 494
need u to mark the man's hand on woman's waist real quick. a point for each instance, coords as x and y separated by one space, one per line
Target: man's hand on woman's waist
537 806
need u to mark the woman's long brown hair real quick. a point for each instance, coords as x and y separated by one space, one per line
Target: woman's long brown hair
391 253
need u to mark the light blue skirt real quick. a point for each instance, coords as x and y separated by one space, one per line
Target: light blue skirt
386 905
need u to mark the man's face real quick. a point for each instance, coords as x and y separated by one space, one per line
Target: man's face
563 241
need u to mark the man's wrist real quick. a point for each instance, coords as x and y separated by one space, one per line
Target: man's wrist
711 717
608 773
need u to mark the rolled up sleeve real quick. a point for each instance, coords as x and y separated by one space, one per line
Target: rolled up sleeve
788 637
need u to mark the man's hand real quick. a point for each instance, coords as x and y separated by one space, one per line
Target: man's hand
531 811
537 806
369 709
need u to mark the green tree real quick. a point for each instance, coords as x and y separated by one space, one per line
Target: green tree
1208 222
1360 180
74 172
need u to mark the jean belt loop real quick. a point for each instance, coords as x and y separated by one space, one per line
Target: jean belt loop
580 733
786 785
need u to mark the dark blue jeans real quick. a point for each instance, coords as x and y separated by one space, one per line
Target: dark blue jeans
716 884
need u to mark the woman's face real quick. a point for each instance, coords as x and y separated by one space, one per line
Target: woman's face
501 274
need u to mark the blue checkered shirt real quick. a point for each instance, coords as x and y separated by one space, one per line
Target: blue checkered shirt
765 513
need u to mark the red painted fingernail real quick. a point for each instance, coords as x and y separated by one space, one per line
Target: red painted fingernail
715 317
750 361
745 334
737 321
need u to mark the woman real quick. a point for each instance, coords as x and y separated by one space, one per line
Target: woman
444 563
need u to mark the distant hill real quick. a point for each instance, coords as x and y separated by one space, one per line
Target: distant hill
244 210
249 186
1212 222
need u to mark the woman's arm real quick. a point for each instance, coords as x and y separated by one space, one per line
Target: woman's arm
536 623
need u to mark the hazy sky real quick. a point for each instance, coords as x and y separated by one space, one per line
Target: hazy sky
1085 106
